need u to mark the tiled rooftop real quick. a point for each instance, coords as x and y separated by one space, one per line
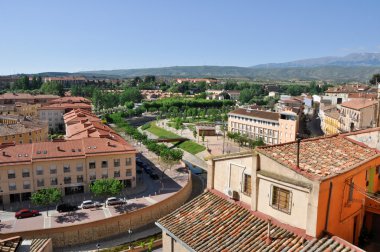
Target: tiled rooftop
358 103
25 153
70 99
78 105
212 223
320 157
256 114
78 115
21 127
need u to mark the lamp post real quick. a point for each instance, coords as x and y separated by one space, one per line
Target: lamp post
130 233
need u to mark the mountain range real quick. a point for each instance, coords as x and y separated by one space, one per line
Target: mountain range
352 67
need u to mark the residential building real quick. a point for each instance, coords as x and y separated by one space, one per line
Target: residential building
19 130
151 95
69 165
12 98
54 111
341 93
255 203
223 94
330 123
195 80
67 81
358 114
271 127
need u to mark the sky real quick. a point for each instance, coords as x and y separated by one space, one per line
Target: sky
78 35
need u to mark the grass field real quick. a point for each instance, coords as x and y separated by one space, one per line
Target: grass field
188 146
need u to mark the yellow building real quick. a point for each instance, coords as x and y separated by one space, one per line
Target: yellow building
331 124
19 130
68 165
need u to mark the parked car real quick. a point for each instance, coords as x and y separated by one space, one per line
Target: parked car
24 213
148 170
112 201
89 204
154 176
66 207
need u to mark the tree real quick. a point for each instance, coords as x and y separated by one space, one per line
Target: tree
130 95
46 197
203 136
195 134
169 158
106 187
375 79
53 87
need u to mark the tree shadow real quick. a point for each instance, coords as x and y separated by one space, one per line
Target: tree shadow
71 217
5 226
182 170
129 207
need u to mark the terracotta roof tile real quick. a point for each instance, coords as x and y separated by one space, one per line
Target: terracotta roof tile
256 113
358 103
320 157
212 223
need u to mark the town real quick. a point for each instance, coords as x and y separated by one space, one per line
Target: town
189 126
120 160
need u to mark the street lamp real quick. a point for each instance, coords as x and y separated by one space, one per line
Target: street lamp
130 233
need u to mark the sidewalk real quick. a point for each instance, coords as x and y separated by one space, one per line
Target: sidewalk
140 233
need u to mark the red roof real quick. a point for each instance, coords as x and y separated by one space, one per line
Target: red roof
26 153
213 223
320 158
66 106
78 115
358 103
71 99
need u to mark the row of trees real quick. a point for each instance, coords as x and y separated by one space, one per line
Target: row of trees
244 140
104 99
52 196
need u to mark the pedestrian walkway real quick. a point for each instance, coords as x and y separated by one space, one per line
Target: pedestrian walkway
120 239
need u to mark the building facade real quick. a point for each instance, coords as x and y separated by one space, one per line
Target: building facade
19 130
271 127
70 166
358 114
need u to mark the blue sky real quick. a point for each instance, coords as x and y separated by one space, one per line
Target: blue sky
52 35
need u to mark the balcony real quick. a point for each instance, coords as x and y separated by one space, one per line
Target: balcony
67 181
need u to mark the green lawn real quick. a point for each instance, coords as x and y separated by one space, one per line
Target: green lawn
188 146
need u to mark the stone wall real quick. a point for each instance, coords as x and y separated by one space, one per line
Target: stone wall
100 229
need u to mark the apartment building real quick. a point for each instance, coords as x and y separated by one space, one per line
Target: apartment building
12 98
70 165
330 123
358 114
271 127
19 130
53 111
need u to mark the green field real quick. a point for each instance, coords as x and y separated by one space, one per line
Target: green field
188 146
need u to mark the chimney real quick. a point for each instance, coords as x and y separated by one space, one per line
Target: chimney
4 154
268 241
109 143
298 150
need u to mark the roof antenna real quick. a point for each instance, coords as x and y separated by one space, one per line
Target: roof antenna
298 149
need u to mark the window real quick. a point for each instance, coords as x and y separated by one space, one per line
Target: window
11 174
128 172
40 182
281 199
79 167
351 190
105 174
67 180
247 184
116 162
66 168
12 186
104 164
53 181
92 177
40 170
79 178
25 173
53 169
92 165
116 174
128 161
26 185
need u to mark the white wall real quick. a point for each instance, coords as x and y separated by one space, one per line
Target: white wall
229 173
299 203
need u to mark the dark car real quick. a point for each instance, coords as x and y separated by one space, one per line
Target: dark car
65 207
154 176
148 170
25 213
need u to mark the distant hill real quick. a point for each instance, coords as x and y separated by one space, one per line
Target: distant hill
335 73
351 60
